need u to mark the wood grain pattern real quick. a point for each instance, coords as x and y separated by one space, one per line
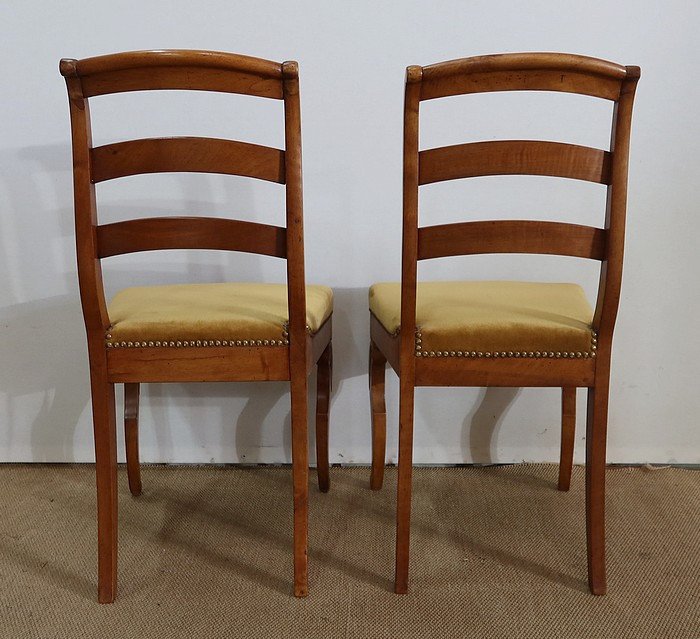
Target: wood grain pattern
193 364
523 72
407 362
568 433
158 233
514 157
176 69
511 236
198 70
377 372
468 371
131 437
296 288
187 155
323 396
513 72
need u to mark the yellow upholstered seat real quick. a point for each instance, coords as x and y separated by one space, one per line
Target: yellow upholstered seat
228 314
492 319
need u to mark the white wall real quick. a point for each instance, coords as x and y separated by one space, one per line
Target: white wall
352 57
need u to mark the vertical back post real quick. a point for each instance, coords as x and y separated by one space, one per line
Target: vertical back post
89 267
615 214
407 361
296 291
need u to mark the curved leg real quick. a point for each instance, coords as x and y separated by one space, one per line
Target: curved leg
596 430
104 424
131 432
377 370
403 501
568 433
323 391
300 480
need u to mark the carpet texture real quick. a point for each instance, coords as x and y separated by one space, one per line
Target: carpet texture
206 552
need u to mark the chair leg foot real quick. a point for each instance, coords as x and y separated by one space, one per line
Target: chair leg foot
300 480
568 435
323 391
403 501
131 435
104 423
377 371
596 431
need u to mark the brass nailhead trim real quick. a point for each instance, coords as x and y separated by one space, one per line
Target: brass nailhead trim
203 343
419 352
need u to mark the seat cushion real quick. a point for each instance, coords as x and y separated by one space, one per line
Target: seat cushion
492 319
229 314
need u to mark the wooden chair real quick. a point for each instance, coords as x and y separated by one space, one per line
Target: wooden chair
505 333
195 333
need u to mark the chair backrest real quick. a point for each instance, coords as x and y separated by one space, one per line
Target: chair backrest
198 71
519 72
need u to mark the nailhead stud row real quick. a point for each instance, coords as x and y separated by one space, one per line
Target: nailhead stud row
204 342
210 342
501 354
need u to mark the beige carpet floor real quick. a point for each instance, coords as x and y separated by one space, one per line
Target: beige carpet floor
206 552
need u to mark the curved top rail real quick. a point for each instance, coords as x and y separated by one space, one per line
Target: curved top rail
177 69
526 62
171 58
526 71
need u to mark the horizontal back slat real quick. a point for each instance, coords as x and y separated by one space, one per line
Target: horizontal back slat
514 157
187 154
155 233
523 72
175 69
511 236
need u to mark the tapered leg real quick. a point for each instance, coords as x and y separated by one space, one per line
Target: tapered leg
131 432
596 431
403 501
104 422
568 434
300 480
323 391
377 371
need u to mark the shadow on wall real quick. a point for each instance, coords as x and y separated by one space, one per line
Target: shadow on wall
43 344
44 353
43 347
481 425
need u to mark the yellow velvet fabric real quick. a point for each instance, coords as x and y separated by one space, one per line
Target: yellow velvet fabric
491 317
206 312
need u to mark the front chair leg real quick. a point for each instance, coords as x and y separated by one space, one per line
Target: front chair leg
131 433
323 391
596 432
300 480
377 371
104 424
403 501
568 434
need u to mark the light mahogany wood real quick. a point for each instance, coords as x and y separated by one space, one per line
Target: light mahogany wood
203 364
157 233
523 72
511 72
511 236
323 397
510 372
377 373
196 70
187 155
296 287
176 69
568 433
407 362
514 157
131 436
